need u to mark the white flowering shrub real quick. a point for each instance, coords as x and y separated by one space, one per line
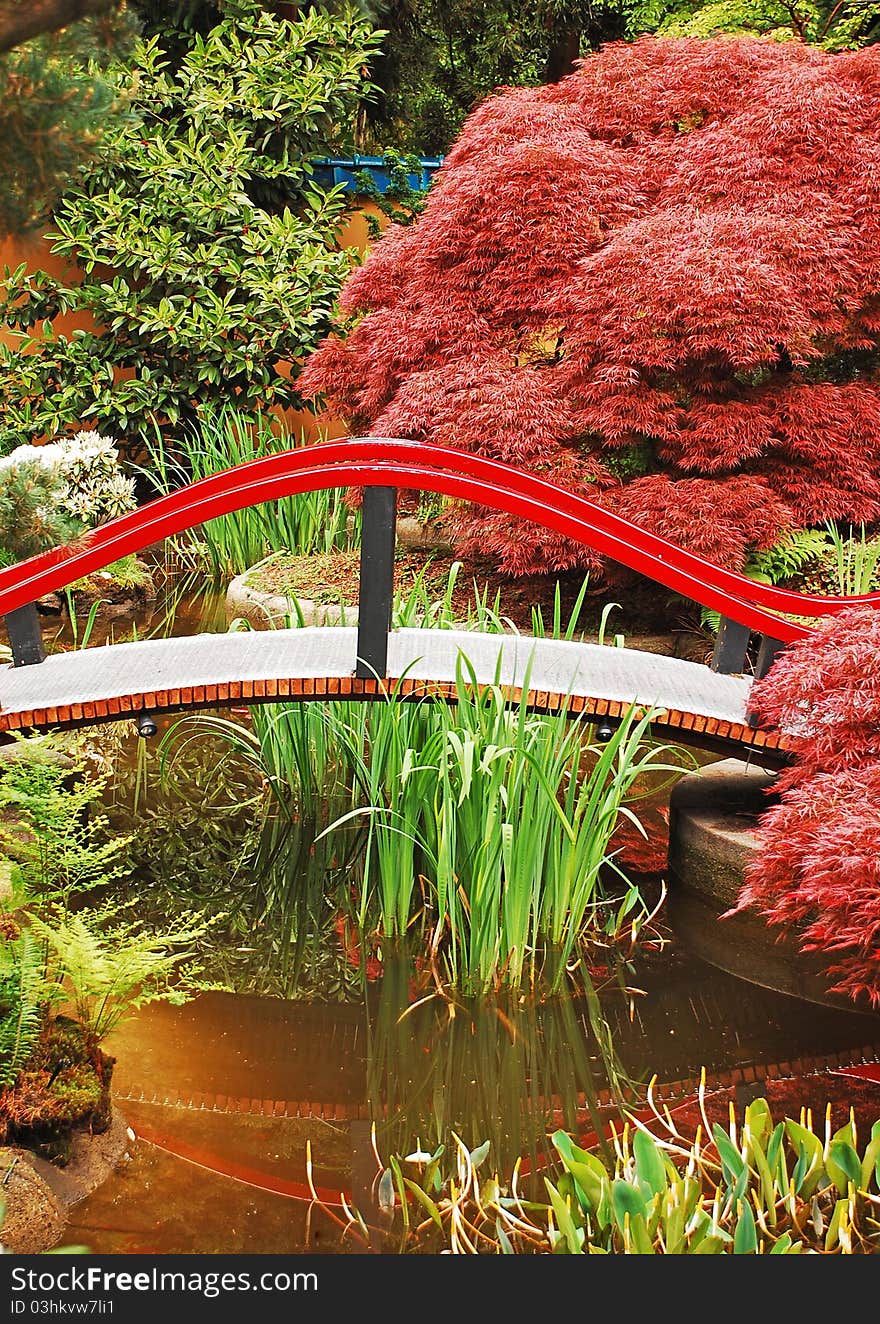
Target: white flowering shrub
85 472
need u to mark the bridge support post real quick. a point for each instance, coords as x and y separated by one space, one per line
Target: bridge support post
378 528
731 646
768 652
25 637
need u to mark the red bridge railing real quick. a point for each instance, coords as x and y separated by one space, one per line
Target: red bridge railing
381 466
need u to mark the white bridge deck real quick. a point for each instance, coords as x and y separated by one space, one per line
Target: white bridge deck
208 670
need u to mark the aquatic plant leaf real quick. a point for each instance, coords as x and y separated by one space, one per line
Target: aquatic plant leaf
479 1155
870 1166
640 1238
745 1237
775 1154
810 1159
817 1218
593 1183
709 1246
758 1118
650 1169
503 1239
572 1235
626 1199
386 1192
731 1159
424 1200
843 1166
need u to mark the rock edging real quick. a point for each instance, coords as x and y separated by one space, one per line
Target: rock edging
38 1195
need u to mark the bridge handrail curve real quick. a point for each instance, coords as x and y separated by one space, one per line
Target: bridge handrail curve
377 461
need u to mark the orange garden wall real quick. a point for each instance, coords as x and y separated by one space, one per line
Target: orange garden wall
35 252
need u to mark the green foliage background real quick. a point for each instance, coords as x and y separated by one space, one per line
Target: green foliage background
204 249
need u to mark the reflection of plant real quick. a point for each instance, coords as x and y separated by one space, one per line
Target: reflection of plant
227 845
756 1189
497 1068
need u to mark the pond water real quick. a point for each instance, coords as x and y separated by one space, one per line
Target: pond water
226 1094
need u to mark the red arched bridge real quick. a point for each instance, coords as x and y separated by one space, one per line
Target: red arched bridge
701 705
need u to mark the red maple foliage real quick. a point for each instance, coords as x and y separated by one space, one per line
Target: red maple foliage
817 873
656 282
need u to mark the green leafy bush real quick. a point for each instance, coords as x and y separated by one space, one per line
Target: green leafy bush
205 254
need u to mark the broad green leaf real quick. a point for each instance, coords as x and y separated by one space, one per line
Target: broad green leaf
626 1199
768 1189
503 1239
843 1166
564 1220
775 1154
640 1237
593 1182
709 1246
745 1236
870 1166
479 1154
425 1201
731 1159
810 1164
650 1168
758 1119
386 1192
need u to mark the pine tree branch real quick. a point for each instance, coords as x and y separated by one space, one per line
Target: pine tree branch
20 20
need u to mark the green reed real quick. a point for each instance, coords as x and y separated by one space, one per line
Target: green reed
855 560
503 819
487 826
303 524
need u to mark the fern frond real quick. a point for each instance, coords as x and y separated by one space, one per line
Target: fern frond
21 1025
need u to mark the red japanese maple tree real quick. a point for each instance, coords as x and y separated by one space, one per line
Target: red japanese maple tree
656 282
817 873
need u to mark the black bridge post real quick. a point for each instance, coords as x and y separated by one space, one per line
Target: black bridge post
378 528
731 647
25 638
768 651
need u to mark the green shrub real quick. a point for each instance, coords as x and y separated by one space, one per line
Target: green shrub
205 253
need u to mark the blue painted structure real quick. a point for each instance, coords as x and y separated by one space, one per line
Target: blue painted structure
330 170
